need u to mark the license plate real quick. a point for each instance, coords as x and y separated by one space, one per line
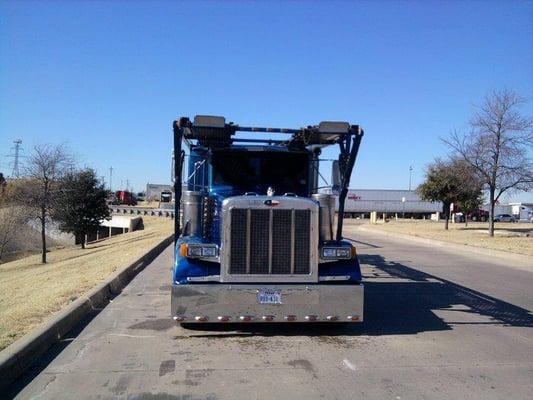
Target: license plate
269 296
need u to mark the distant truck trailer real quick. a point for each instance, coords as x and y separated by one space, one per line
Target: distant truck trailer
166 196
126 198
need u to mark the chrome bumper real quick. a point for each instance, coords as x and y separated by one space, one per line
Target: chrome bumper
197 303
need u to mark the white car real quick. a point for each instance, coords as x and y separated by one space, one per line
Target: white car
504 218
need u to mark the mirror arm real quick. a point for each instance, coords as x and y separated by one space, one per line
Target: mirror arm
178 165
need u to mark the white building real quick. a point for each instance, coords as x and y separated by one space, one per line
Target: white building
522 211
154 191
408 202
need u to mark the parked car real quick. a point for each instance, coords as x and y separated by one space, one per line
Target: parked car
504 218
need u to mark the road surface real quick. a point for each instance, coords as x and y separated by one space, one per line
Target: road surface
437 325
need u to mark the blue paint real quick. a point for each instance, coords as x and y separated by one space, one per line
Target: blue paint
199 161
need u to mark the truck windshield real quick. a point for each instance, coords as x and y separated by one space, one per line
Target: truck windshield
251 171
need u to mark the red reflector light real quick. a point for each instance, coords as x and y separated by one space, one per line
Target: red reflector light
310 317
332 318
201 318
246 318
268 318
353 317
224 318
179 318
290 317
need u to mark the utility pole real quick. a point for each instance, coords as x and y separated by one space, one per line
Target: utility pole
110 178
410 173
15 172
127 185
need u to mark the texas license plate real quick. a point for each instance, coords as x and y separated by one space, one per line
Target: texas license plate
269 296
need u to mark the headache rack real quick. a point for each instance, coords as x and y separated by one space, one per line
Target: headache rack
214 132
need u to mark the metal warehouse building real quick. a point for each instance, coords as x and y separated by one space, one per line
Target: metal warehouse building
361 202
154 190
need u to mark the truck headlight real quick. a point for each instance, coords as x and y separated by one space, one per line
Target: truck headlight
329 252
210 251
199 250
344 253
337 253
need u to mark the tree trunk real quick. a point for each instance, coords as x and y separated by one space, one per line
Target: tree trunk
447 217
491 211
83 241
43 236
466 221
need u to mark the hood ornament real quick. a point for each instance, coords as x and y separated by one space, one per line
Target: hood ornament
270 191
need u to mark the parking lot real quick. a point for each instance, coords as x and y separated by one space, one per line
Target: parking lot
438 324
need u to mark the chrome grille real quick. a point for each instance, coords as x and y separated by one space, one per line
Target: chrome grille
270 241
238 233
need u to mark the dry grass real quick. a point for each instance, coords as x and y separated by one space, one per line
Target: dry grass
508 236
31 292
148 204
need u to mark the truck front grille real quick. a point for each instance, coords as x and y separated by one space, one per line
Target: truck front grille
270 241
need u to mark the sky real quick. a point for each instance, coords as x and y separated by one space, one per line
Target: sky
107 78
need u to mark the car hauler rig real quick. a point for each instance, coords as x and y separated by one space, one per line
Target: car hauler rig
257 240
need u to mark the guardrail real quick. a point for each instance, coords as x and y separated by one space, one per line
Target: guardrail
154 212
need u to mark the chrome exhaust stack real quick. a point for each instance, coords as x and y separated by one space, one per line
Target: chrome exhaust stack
326 215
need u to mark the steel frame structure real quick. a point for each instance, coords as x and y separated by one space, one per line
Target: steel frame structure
220 137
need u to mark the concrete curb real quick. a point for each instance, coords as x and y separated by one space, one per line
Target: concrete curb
502 255
19 356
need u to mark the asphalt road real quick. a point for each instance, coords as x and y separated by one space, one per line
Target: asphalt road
437 325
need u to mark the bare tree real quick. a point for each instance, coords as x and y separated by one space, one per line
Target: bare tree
11 217
497 146
45 167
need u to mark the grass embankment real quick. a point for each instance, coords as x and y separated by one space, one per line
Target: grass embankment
509 237
148 204
31 292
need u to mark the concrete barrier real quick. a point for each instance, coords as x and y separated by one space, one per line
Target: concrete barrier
155 212
18 357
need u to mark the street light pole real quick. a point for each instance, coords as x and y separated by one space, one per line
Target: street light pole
410 173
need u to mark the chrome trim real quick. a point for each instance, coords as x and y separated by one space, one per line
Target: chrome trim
257 202
248 235
208 278
236 300
293 227
270 226
334 278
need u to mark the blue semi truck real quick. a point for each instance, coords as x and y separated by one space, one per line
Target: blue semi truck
256 241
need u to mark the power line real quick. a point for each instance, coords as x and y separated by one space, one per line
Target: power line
15 172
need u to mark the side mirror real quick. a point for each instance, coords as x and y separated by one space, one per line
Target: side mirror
335 177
